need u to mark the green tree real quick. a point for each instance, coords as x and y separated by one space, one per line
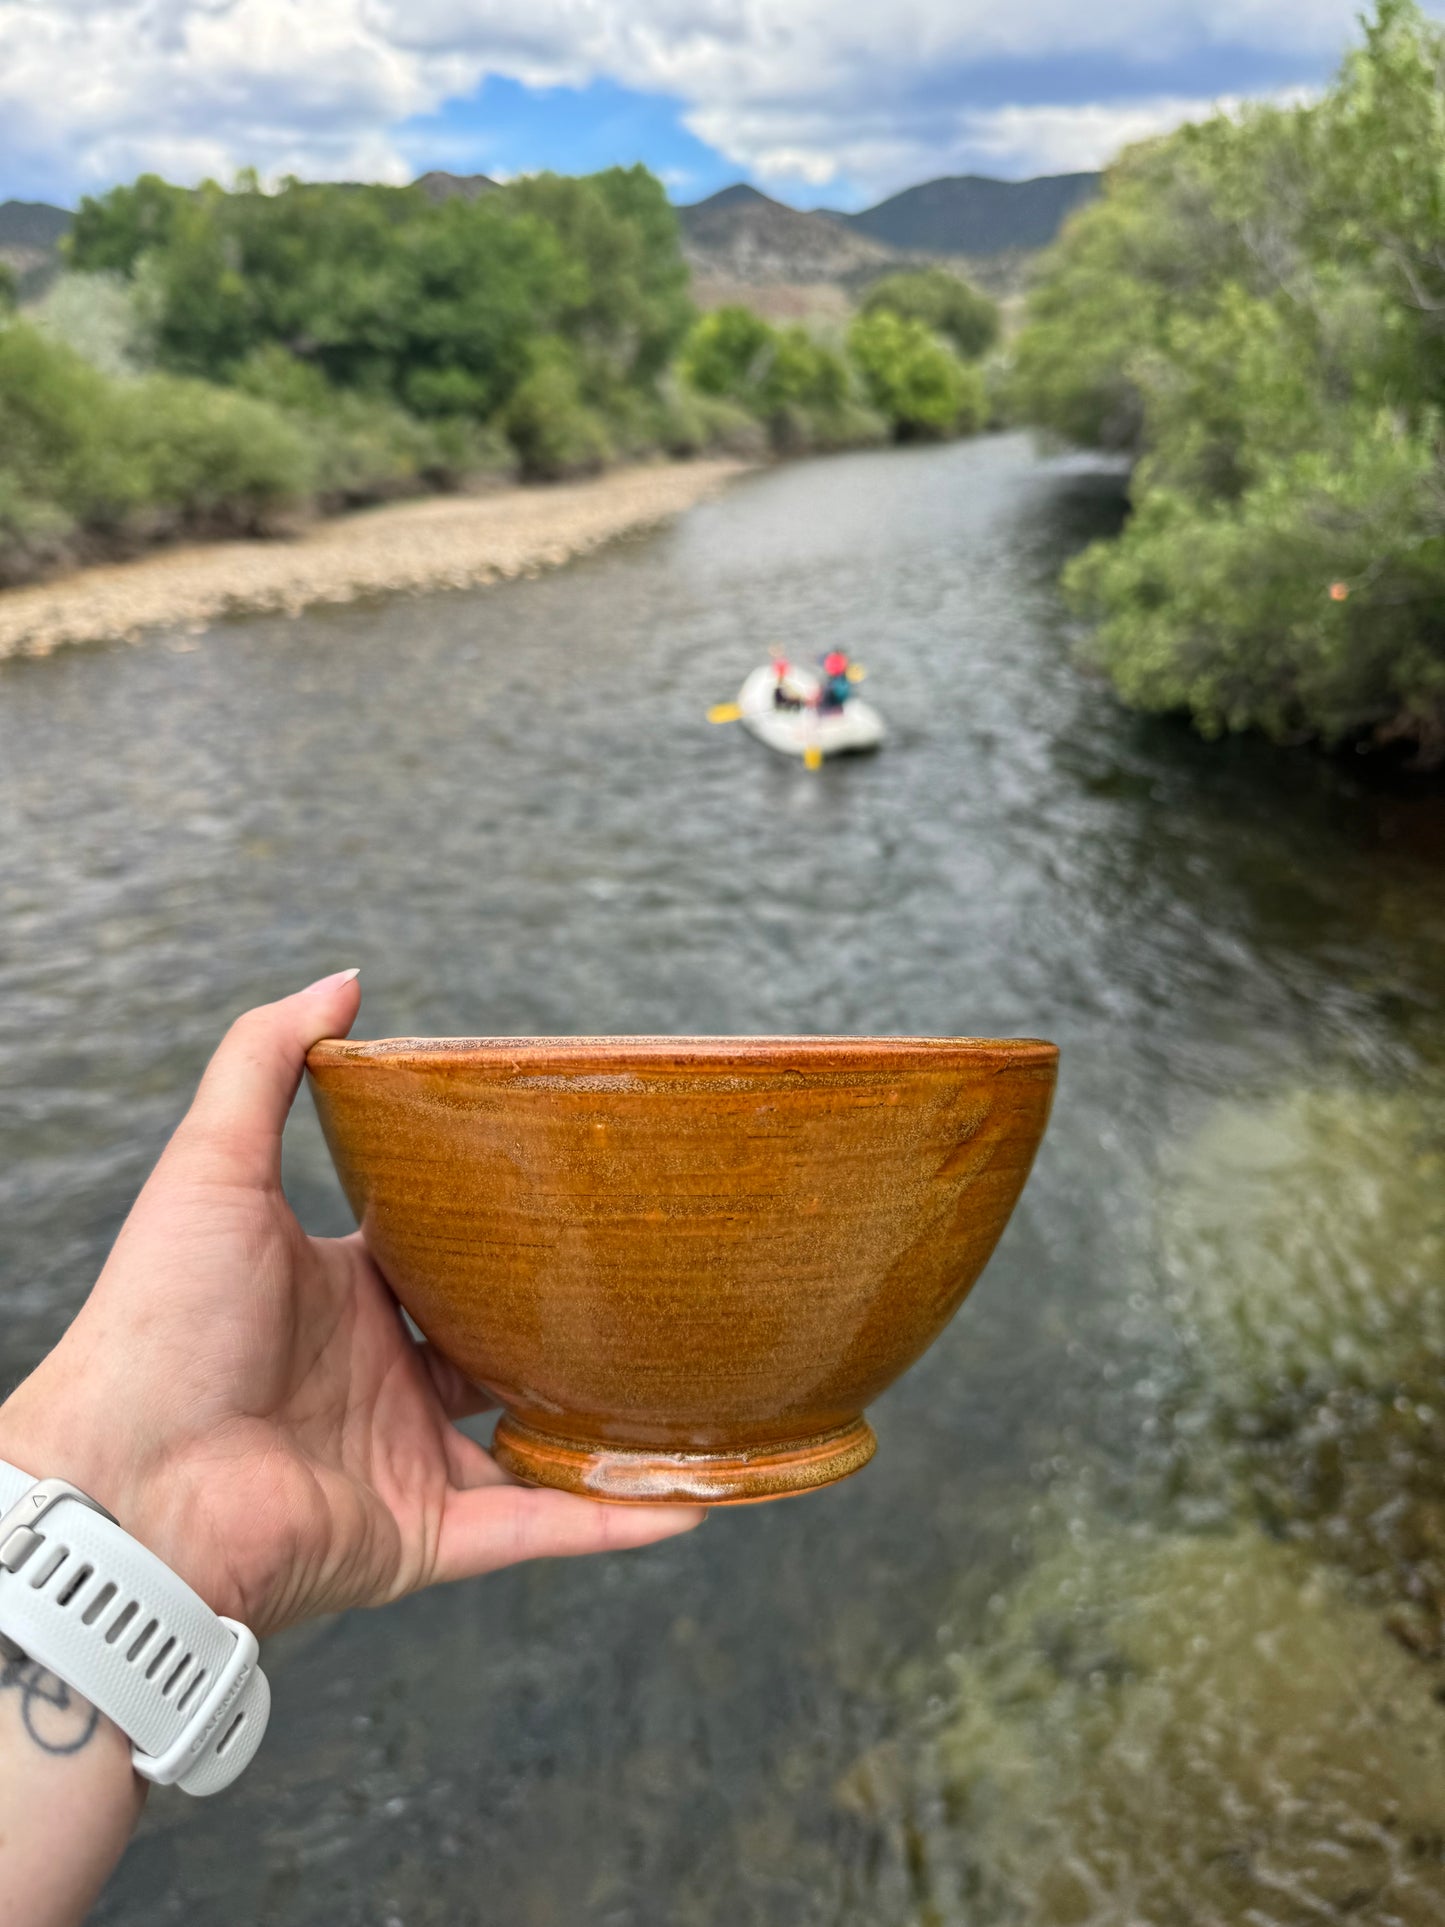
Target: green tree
728 353
943 302
548 420
1254 311
625 307
800 387
438 305
112 231
914 379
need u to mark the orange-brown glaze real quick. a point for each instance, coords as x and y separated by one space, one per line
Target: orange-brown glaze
685 1266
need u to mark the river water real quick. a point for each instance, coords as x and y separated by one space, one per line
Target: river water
1136 1616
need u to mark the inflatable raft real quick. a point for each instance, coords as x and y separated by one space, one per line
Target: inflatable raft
793 732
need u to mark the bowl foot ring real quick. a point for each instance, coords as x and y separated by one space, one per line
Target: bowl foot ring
644 1475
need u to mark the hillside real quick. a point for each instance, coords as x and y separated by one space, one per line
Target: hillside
789 265
973 215
32 224
741 235
30 234
440 186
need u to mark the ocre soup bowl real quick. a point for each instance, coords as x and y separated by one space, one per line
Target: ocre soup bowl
684 1266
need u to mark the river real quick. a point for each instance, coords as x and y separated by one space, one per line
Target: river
1134 1617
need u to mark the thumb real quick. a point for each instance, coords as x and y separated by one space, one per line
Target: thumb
232 1132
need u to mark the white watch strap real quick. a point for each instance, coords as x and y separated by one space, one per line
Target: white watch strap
81 1597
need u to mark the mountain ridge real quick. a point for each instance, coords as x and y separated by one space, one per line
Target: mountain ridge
975 214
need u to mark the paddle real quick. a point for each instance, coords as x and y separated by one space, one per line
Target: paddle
725 713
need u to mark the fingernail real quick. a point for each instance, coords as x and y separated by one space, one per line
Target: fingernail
335 981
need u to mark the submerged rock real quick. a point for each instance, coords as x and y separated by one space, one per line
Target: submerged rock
1175 1732
1163 1726
1304 1245
1303 1240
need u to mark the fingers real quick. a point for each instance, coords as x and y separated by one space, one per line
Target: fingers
500 1525
234 1125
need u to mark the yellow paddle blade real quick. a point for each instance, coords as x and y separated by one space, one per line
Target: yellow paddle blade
812 757
856 672
724 713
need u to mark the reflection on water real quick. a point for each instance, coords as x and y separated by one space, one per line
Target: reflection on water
989 1680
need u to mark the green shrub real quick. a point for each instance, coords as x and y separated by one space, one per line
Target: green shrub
210 452
943 302
850 423
800 388
552 429
1226 611
62 431
365 447
727 353
686 422
81 453
913 379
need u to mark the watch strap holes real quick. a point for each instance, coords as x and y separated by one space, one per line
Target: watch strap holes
73 1584
230 1733
161 1657
190 1693
122 1619
142 1639
174 1676
98 1605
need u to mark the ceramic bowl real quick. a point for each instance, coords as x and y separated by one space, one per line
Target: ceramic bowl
683 1266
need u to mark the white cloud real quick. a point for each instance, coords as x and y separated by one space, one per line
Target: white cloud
790 90
1072 140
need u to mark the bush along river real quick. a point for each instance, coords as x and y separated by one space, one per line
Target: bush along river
1138 1615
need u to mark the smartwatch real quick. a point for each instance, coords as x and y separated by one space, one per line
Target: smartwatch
82 1598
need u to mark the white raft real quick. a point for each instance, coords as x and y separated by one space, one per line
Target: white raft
793 732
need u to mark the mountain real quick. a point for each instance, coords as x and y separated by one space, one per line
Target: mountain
30 234
740 235
32 224
973 215
439 186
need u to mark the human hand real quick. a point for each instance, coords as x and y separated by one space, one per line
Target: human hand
248 1401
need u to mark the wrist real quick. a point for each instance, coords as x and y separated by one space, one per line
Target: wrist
52 1426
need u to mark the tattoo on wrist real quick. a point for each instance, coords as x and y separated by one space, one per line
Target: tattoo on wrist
57 1719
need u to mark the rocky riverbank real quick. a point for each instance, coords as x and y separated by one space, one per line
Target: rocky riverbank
451 542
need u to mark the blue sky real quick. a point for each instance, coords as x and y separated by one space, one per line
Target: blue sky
505 127
823 102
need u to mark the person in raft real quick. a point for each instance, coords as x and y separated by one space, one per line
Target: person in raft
785 696
268 1443
836 686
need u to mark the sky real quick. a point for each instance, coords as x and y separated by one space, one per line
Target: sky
833 103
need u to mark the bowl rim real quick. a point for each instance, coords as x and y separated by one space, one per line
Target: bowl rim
582 1053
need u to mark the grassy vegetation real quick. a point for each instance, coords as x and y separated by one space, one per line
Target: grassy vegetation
1253 312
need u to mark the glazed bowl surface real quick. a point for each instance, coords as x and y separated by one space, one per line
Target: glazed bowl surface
683 1266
